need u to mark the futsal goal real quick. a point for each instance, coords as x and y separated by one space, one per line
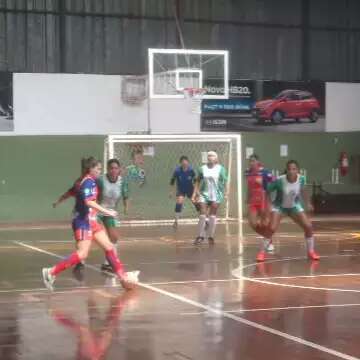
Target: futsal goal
151 160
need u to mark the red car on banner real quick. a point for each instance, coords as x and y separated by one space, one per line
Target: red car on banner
288 104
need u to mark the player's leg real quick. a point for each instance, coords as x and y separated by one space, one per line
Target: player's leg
304 222
213 208
275 219
257 224
178 208
84 244
127 280
202 223
195 202
264 215
110 225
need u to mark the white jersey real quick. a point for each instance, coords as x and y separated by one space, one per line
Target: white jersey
112 192
213 183
287 194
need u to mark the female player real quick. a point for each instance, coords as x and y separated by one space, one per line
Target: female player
78 269
290 190
258 207
210 189
112 188
184 178
87 228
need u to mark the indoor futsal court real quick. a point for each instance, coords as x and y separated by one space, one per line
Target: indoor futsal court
179 179
191 303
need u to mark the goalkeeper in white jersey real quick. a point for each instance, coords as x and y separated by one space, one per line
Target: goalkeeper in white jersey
210 191
113 187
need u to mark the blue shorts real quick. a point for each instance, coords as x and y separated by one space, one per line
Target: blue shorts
187 194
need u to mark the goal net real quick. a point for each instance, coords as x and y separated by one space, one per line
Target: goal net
150 161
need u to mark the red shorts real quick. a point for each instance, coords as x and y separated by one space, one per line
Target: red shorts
257 207
82 233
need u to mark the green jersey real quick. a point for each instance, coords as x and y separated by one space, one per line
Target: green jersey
288 195
135 173
212 183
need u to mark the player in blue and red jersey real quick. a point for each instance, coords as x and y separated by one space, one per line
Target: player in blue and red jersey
184 178
87 228
71 193
258 207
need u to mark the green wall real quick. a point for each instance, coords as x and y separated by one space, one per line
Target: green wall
36 169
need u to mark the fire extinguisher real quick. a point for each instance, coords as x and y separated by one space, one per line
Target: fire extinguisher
344 163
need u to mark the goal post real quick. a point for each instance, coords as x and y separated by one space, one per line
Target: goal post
151 160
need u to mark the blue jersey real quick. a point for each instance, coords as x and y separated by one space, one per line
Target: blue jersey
184 180
88 190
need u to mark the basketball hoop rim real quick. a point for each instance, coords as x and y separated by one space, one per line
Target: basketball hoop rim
192 92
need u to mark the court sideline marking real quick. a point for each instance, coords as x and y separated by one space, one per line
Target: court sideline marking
219 312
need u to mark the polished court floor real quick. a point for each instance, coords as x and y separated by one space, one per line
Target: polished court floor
207 302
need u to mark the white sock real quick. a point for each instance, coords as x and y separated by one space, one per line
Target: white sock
177 216
263 244
202 223
212 225
310 243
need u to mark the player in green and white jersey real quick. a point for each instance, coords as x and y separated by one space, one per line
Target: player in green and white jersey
113 187
290 195
210 191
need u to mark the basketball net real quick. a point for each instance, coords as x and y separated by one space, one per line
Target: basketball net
194 97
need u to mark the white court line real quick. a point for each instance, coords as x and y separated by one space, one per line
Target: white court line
266 282
225 315
260 278
270 261
277 308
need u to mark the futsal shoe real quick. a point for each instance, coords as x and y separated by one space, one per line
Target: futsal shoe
106 268
211 240
260 256
312 255
198 240
269 246
78 272
130 280
48 279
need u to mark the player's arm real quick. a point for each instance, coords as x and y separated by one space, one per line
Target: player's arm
197 183
94 205
172 185
64 197
306 198
270 188
90 199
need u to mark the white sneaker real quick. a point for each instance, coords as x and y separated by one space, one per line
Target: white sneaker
48 279
269 246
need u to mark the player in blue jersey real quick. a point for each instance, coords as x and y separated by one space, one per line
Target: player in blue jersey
183 178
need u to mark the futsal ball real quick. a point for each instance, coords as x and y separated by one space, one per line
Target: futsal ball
131 280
